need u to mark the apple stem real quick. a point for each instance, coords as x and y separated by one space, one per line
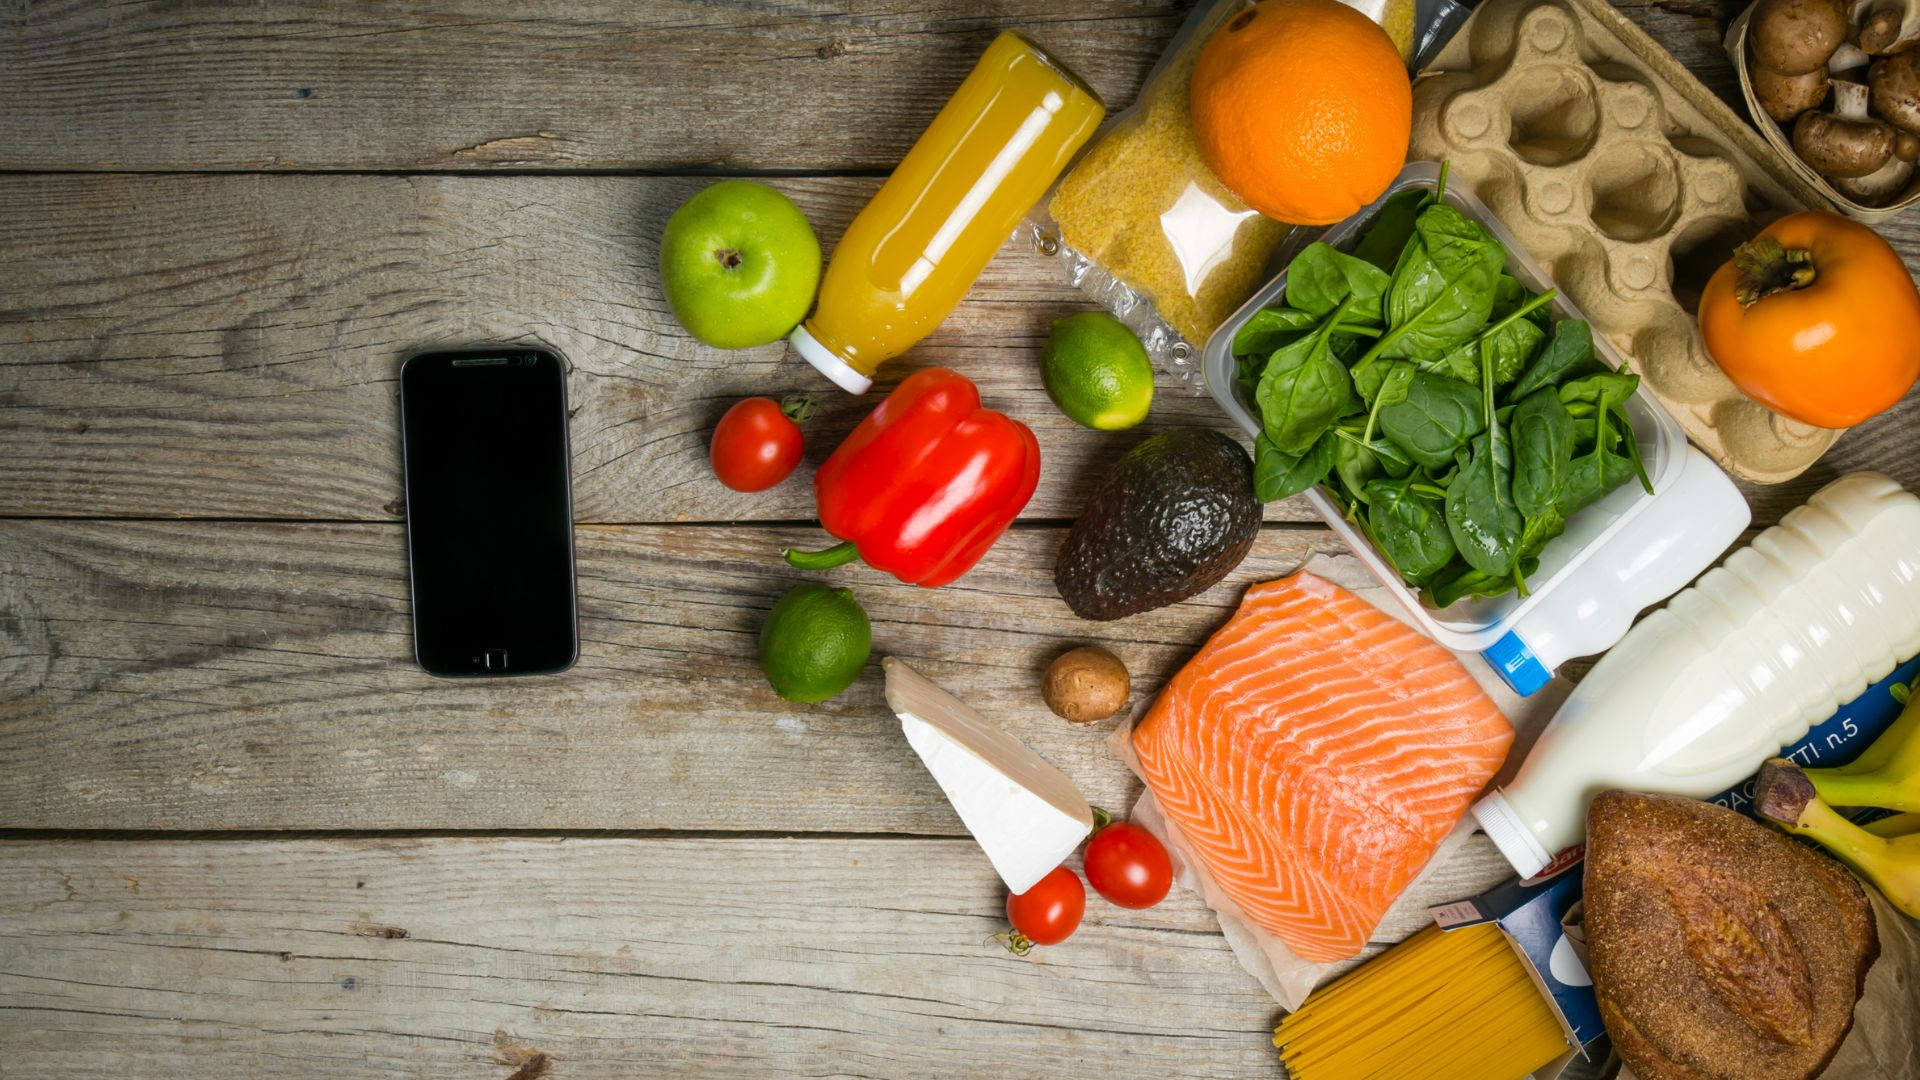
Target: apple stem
728 257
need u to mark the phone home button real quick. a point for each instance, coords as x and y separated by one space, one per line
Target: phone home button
494 660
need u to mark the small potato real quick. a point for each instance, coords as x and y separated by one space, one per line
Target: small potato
1086 684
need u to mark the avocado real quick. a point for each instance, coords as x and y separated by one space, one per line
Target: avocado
1175 515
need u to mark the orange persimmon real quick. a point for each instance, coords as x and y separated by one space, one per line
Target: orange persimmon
1817 319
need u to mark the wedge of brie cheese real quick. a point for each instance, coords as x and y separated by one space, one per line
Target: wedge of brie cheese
1025 814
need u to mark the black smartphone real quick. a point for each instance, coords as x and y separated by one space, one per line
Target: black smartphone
489 511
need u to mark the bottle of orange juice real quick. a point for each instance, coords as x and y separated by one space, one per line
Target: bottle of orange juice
913 253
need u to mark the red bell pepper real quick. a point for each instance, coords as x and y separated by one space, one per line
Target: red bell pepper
926 483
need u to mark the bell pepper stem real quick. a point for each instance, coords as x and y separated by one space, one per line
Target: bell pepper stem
838 555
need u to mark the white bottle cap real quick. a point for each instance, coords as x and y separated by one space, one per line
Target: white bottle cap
827 362
1508 831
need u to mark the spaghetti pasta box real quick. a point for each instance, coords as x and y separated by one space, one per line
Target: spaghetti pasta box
1538 916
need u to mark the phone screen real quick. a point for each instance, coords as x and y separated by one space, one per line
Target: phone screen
489 511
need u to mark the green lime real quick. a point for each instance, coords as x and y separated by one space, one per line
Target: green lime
814 643
1097 371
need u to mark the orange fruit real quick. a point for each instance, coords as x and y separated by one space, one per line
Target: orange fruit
1303 108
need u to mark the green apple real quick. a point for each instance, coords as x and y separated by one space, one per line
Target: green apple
740 264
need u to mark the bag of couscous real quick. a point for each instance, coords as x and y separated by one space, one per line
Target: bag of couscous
1143 226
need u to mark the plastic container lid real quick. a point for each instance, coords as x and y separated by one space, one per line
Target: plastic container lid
1510 834
1517 665
827 362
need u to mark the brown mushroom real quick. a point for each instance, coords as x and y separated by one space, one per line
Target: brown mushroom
1086 684
1896 90
1885 27
1787 96
1879 187
1879 31
1793 37
1846 143
1846 60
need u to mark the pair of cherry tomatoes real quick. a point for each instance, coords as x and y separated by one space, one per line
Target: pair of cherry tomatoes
1124 863
757 443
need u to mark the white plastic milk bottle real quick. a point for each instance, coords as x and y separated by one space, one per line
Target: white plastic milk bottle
1697 695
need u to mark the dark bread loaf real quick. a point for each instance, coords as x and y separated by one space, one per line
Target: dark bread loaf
1721 949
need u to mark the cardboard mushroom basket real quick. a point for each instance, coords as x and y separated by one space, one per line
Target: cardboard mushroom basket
1834 86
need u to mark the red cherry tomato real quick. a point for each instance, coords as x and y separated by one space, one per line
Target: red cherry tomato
1048 913
1128 866
757 443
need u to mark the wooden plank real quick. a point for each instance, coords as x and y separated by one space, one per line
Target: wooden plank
611 957
488 84
238 676
1693 31
482 84
228 345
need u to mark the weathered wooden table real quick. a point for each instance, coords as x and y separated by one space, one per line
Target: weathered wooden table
246 836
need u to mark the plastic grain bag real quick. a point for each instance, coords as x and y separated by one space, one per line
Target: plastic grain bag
1285 975
1143 226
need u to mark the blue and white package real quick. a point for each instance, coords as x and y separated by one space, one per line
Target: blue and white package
1534 913
1842 736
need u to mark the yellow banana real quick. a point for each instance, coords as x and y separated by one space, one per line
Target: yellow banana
1786 797
1897 825
1886 774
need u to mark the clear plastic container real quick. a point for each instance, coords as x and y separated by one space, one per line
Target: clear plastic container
1476 624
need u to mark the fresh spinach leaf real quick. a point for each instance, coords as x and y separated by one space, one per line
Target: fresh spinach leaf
1633 448
1393 389
1608 389
1438 417
1443 285
1459 581
1270 329
1409 527
1568 353
1485 523
1509 349
1322 278
1505 350
1589 478
1461 362
1303 390
1389 375
1509 296
1391 229
1355 463
1542 450
1540 530
1277 475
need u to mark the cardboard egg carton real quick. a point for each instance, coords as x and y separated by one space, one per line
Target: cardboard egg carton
1631 182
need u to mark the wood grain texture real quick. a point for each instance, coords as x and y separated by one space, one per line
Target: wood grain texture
229 345
613 957
237 676
482 84
492 84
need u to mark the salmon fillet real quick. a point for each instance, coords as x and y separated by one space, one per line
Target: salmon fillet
1314 753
